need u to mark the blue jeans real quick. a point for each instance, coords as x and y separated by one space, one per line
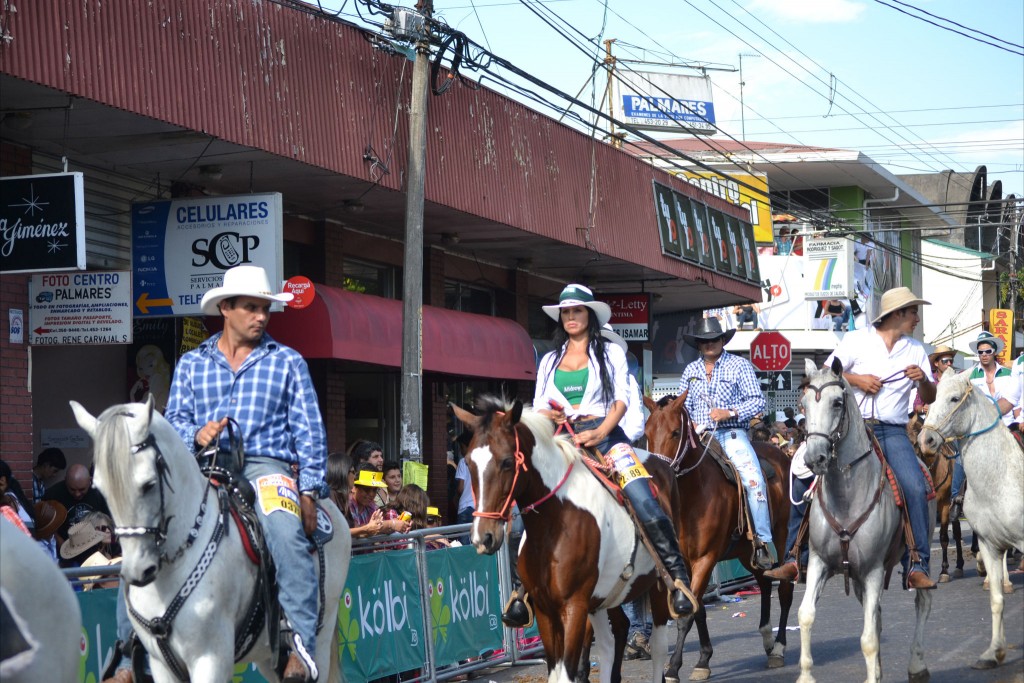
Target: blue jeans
959 477
737 447
296 576
796 516
639 616
903 461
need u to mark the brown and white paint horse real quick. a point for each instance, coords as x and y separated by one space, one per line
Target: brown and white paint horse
582 556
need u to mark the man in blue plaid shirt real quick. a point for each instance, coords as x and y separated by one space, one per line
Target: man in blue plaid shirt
244 374
723 394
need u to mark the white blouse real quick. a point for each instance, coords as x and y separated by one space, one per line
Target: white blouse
618 373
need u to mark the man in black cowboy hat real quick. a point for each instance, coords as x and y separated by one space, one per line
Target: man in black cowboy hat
722 395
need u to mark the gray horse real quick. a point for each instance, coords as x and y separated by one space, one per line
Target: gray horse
853 518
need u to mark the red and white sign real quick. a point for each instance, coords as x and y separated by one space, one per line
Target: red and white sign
302 289
770 351
631 315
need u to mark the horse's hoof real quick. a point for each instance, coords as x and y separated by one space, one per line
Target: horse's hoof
958 573
919 677
985 664
776 661
943 578
669 679
700 674
1008 588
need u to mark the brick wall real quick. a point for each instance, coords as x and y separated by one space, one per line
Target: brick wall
16 427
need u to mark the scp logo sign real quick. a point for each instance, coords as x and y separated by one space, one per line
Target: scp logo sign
224 250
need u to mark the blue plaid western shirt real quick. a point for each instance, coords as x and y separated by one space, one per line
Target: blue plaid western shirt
271 397
733 385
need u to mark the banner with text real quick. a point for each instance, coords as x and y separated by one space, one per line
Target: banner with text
1000 323
631 315
181 248
659 101
42 223
464 603
829 267
753 198
80 308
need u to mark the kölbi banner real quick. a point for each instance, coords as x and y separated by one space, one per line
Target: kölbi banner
181 247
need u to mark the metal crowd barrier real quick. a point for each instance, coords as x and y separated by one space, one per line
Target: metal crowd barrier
379 634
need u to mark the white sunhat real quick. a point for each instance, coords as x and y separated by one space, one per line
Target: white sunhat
895 299
578 295
611 335
242 281
988 338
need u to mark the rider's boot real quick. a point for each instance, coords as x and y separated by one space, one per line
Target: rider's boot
518 612
662 535
956 508
762 556
295 671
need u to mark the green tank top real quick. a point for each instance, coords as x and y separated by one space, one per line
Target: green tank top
572 384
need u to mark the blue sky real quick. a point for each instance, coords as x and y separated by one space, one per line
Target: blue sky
961 102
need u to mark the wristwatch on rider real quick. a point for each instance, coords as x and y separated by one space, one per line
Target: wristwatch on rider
315 495
732 411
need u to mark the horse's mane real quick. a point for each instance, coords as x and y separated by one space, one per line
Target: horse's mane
111 451
540 426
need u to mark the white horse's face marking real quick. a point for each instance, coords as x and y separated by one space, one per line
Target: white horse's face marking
487 534
948 395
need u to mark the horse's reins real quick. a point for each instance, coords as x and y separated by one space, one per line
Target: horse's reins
160 626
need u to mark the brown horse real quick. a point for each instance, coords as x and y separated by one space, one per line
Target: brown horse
582 556
709 521
940 465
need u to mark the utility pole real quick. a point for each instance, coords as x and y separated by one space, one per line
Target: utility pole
411 399
609 61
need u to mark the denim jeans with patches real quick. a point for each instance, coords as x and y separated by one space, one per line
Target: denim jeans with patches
298 588
737 447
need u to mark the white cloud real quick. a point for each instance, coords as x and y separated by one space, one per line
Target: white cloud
811 11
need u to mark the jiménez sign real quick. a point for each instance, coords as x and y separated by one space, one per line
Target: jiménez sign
42 223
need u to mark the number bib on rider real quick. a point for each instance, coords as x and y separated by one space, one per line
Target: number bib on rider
627 465
277 492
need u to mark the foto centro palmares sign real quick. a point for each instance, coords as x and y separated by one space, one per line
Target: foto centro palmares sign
657 101
752 195
181 247
42 223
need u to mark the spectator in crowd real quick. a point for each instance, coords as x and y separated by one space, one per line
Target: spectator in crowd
863 250
410 505
94 532
339 481
790 417
466 503
77 495
994 380
13 497
783 246
49 462
393 478
100 558
368 451
746 315
365 518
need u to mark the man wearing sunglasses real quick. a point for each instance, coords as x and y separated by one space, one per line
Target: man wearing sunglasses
993 379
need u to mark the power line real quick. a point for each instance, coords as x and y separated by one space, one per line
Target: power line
1019 51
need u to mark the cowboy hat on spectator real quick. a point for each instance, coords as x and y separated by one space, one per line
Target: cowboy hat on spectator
86 534
242 281
578 295
990 339
941 351
50 515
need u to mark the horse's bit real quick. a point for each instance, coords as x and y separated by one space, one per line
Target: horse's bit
836 434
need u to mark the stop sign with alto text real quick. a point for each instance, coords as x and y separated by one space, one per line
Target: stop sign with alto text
770 351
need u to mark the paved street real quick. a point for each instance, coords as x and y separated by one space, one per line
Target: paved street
958 631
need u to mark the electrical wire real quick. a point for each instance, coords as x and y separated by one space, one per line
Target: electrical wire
1019 51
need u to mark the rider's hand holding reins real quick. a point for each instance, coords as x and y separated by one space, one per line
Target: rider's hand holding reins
869 384
210 431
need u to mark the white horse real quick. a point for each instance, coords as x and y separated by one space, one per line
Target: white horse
994 464
853 518
40 622
187 568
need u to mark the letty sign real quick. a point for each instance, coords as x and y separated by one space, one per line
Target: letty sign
42 223
631 315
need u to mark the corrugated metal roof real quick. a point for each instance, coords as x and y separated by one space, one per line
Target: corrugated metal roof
273 78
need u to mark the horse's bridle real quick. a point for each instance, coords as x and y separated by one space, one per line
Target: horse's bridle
159 532
949 416
836 434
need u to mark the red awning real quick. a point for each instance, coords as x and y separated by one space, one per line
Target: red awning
349 326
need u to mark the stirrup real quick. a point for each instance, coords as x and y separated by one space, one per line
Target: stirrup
680 585
516 620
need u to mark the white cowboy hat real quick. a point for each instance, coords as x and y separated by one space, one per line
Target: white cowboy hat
988 338
84 535
611 335
895 299
242 281
578 295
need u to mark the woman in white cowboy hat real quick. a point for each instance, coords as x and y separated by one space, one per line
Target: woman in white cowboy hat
585 382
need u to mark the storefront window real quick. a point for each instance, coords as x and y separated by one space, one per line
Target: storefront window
377 279
458 296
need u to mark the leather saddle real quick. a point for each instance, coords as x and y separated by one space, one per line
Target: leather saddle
718 455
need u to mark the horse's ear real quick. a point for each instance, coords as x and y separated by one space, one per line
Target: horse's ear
651 404
465 417
85 420
517 413
678 402
150 404
837 366
809 367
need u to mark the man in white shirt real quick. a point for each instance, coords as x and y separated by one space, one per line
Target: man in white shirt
995 381
883 363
